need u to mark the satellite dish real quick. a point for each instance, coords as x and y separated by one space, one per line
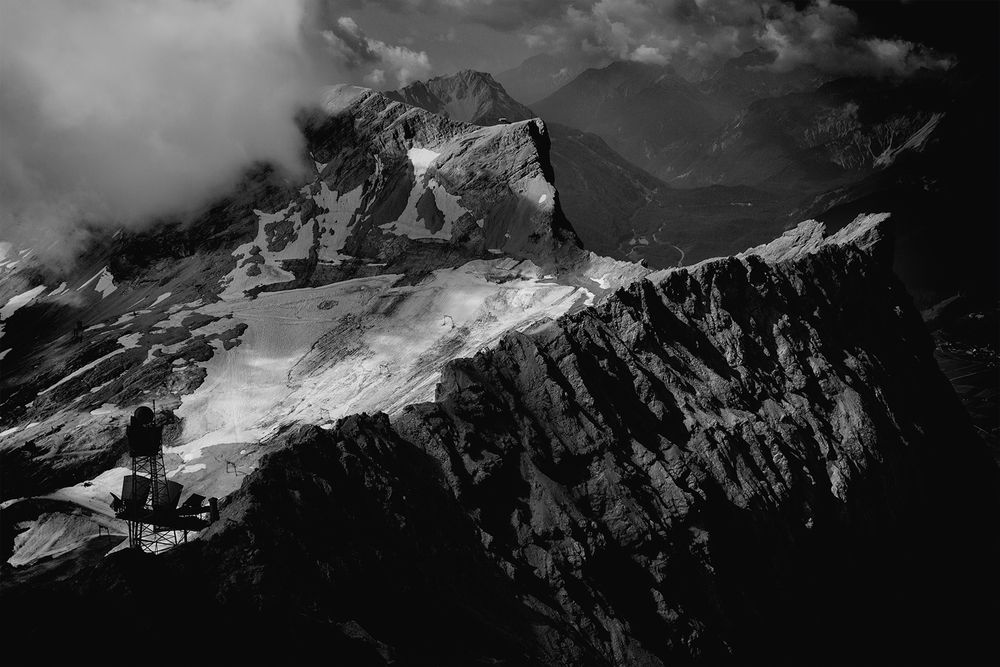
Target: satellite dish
142 416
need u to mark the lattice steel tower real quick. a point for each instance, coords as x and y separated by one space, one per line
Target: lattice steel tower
149 500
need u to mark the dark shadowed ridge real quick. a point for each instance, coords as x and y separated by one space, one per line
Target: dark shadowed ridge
752 459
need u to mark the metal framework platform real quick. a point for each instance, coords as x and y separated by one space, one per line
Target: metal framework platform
149 500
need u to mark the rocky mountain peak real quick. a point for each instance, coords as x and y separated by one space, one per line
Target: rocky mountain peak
629 77
499 176
542 73
467 96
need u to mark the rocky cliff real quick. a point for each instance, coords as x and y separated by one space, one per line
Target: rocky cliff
754 459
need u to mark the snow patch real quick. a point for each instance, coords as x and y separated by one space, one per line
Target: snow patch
184 469
20 301
602 282
409 223
257 265
160 299
105 283
130 341
57 533
333 225
95 494
421 159
377 347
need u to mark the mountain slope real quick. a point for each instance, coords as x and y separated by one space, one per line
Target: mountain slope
415 240
540 75
747 126
748 77
808 141
645 112
600 191
620 210
598 490
468 96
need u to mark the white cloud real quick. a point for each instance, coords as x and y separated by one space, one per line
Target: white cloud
380 64
121 111
648 54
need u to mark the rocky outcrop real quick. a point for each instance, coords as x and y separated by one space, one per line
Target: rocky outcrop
430 192
756 458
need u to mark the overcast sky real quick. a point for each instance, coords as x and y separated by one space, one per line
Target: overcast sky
119 111
432 37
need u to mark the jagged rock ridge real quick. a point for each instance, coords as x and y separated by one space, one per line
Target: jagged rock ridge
756 458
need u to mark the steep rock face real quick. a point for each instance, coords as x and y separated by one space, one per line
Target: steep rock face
657 437
754 458
602 192
426 178
468 96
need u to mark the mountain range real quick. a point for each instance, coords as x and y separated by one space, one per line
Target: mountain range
653 378
617 208
410 250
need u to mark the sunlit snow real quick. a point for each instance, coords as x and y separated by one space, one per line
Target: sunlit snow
103 282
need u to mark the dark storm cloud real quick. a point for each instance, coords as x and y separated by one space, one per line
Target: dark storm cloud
692 33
